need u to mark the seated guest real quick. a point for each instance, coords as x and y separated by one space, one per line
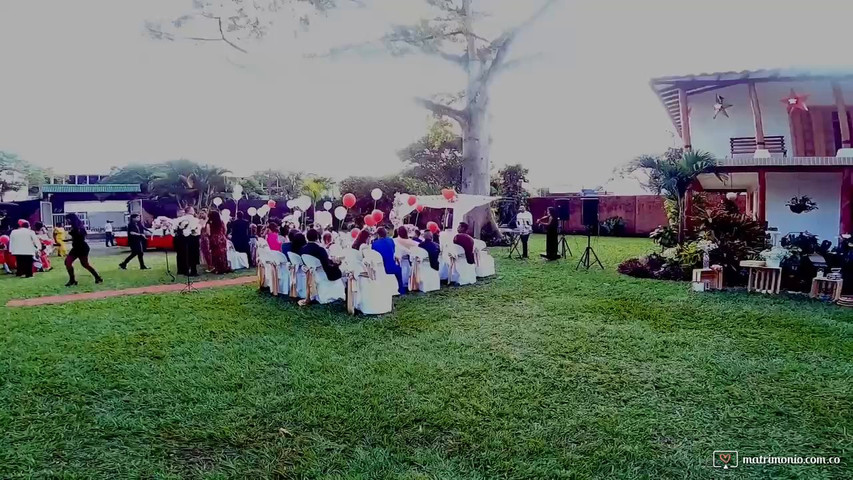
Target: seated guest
418 236
335 250
386 248
287 245
363 238
313 248
403 239
466 242
297 242
273 239
432 249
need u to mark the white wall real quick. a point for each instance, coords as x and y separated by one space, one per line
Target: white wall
713 135
823 188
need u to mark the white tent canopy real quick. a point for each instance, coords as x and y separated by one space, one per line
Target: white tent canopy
460 206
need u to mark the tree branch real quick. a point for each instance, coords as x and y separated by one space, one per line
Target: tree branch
222 34
439 109
501 44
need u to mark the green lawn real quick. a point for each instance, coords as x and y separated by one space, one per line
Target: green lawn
541 372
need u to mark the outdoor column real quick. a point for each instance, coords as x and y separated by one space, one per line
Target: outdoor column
760 146
846 223
762 196
846 147
685 119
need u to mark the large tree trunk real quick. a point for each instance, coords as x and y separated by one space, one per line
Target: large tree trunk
475 153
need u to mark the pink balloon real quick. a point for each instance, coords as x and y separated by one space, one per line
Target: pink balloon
432 227
271 204
349 200
369 221
412 200
448 193
354 232
378 215
419 208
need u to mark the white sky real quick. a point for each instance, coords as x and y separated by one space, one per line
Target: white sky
83 88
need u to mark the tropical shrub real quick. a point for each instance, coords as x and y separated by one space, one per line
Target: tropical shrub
665 237
737 236
613 227
635 267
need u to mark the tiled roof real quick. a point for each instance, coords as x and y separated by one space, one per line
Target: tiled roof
95 188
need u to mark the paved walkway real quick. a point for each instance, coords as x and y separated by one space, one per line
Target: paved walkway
78 297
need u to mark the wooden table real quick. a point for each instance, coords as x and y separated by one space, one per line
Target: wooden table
765 280
831 287
712 276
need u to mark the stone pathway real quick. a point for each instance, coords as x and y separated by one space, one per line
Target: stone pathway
78 297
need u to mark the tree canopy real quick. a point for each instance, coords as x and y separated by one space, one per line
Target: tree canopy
436 158
17 173
184 181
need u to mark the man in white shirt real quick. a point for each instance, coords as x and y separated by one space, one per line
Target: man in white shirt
24 244
109 238
524 223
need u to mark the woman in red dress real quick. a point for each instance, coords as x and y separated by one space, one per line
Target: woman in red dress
215 229
204 241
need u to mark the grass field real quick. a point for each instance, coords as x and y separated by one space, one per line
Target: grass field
541 372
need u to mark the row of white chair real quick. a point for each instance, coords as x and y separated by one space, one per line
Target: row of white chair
365 285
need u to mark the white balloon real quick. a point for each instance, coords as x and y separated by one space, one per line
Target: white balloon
263 210
236 195
323 218
289 204
252 211
376 194
238 188
226 213
327 205
217 201
297 214
341 213
303 202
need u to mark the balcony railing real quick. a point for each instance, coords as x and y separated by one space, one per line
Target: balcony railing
746 145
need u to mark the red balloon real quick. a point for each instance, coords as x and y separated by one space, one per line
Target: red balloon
271 203
419 208
369 221
412 200
448 193
378 215
349 200
432 227
354 232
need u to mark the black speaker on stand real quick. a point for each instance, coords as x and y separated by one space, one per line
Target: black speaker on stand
563 216
590 221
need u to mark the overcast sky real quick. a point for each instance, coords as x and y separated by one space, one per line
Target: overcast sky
84 88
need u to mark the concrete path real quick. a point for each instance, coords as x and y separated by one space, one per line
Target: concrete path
78 297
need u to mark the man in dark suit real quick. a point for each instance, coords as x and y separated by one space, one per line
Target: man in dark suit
136 242
466 242
239 231
432 249
313 248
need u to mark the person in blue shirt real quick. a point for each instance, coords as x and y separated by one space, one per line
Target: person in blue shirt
386 248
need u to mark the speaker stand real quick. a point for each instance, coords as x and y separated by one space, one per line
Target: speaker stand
564 246
588 254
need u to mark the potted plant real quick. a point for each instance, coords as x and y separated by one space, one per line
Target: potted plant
803 204
775 255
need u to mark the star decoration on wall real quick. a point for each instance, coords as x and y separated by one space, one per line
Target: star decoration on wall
796 102
720 106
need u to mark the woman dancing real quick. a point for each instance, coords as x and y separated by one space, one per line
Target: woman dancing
79 250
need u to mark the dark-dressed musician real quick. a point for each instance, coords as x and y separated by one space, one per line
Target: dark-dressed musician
552 227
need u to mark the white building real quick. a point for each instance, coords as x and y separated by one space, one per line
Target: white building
777 136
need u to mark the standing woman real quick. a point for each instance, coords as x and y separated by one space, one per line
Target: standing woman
218 243
551 231
79 250
204 238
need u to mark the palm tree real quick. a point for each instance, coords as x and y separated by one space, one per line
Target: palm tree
188 182
672 173
317 187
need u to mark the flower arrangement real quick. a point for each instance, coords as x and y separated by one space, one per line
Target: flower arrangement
775 255
802 204
162 223
706 246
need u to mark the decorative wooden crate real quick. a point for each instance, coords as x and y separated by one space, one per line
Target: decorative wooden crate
825 286
764 280
713 277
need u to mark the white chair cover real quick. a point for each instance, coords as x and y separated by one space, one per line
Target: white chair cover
236 260
461 272
370 293
324 290
485 261
278 263
402 256
353 261
372 258
423 276
298 278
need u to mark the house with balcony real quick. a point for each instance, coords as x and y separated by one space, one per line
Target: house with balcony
782 138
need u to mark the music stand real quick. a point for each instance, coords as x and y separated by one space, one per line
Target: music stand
564 246
589 253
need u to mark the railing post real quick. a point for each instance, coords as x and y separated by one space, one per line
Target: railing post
843 124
